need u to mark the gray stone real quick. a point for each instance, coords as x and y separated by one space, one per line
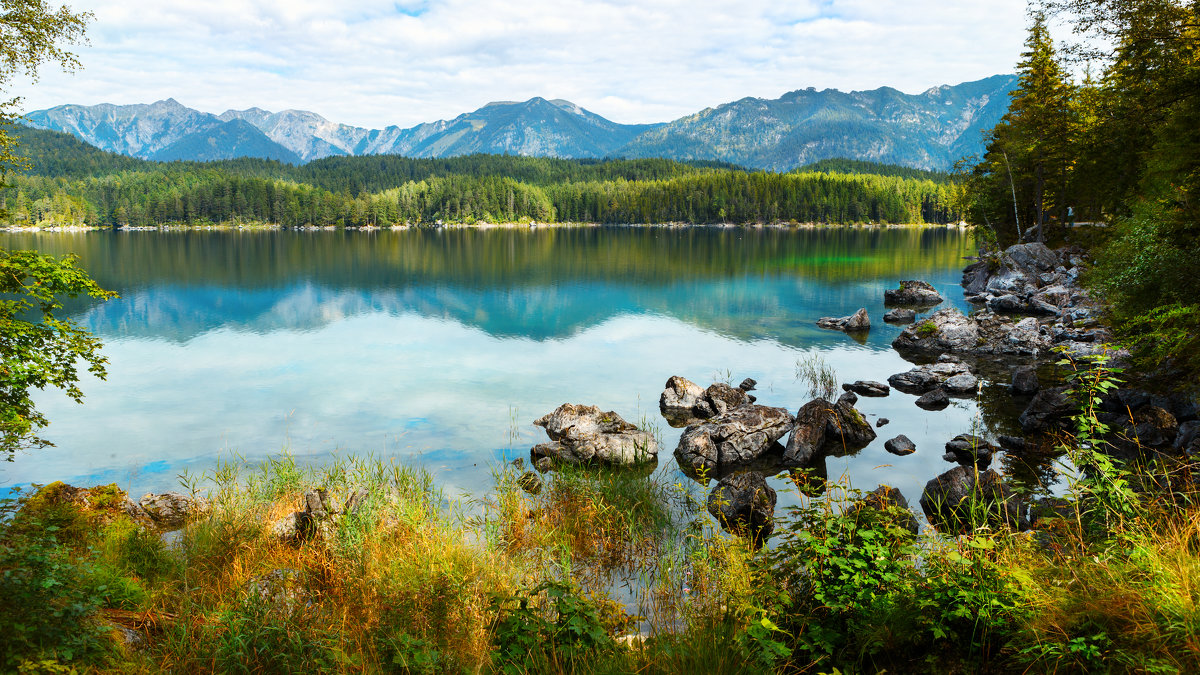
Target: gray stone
736 437
912 292
1050 410
846 430
963 384
295 528
584 434
171 509
882 421
969 450
900 315
680 403
868 388
848 397
934 400
900 445
856 323
744 505
808 433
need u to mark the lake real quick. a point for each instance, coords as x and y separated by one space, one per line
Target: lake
440 347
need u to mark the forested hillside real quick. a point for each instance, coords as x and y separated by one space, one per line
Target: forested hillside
73 183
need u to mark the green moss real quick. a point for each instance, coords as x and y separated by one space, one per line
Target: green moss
926 329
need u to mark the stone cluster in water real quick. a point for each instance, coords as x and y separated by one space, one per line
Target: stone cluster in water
1028 303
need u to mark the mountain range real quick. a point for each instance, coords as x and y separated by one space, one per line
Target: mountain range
930 130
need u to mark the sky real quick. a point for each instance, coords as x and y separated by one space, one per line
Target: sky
374 63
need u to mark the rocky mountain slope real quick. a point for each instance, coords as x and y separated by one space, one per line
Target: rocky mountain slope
929 130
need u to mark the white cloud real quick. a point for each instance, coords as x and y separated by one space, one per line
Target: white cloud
374 63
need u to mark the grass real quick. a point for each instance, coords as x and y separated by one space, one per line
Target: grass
602 571
820 377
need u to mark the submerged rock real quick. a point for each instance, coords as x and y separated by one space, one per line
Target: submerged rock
900 316
912 293
948 373
744 505
1050 410
856 323
584 434
1025 381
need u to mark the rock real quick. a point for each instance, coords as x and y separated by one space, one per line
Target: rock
748 384
889 502
1025 381
684 403
1032 258
1050 410
846 430
948 373
946 330
1187 440
171 509
280 588
295 528
868 388
856 323
912 293
1154 427
900 316
744 505
975 277
735 437
962 498
1007 304
900 445
881 421
681 401
808 433
584 434
963 384
1012 444
358 498
849 398
969 450
530 482
934 400
315 503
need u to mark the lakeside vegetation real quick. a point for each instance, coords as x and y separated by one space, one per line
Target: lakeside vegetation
71 183
398 580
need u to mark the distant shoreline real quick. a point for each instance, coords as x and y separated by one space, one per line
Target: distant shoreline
268 227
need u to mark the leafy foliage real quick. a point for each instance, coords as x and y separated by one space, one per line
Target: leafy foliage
38 349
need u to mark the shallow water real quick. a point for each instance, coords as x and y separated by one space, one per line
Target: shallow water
441 347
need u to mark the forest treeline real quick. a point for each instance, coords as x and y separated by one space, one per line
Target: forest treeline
1119 145
73 183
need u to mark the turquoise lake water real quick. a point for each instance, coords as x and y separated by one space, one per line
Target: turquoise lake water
441 347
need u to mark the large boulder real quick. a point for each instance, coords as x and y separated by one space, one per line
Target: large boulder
744 505
846 430
584 434
935 399
1050 411
171 509
1025 381
684 402
890 503
807 441
944 331
949 331
964 498
856 323
912 293
733 438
